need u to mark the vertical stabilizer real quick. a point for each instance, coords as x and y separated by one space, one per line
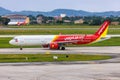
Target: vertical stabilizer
102 32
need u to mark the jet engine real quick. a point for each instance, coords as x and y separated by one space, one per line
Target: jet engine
53 45
45 45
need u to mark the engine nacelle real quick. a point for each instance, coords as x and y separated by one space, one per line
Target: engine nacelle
45 46
53 45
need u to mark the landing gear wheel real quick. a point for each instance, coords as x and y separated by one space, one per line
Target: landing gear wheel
58 48
62 48
21 48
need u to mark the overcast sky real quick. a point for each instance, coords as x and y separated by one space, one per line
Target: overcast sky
49 5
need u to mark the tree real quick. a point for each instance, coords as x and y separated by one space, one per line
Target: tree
32 19
4 21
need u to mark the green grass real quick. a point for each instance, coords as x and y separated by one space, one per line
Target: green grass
34 32
110 42
46 32
49 57
4 43
61 26
54 26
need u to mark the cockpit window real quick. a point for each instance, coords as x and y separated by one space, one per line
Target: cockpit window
16 40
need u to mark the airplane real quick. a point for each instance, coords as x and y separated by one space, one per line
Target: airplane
58 42
17 23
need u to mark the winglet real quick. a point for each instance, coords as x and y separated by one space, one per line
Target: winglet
102 32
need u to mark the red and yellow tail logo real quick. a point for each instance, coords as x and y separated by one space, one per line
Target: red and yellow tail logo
102 32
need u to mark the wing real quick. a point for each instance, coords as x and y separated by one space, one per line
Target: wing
68 42
114 35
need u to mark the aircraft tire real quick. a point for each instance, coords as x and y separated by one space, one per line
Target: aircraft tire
62 48
21 48
58 48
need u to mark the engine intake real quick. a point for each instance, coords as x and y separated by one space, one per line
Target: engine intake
54 46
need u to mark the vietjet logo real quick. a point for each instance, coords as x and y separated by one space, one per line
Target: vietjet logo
73 38
101 30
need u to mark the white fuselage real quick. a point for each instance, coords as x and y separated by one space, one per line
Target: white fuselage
59 41
32 40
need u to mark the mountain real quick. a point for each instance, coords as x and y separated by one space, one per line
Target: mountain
4 11
70 12
57 12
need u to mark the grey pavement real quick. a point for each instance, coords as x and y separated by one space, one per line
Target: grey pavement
69 50
79 70
61 72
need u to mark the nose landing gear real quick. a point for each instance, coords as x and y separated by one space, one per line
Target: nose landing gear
21 48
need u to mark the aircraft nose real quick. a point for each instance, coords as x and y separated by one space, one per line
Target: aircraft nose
11 42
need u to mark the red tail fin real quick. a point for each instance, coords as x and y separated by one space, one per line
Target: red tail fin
103 29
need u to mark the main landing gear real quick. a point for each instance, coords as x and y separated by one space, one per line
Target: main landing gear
61 48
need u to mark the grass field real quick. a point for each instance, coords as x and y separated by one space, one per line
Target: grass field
49 57
61 26
47 31
4 43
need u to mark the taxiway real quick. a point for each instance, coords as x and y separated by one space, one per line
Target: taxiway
69 50
61 72
81 70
